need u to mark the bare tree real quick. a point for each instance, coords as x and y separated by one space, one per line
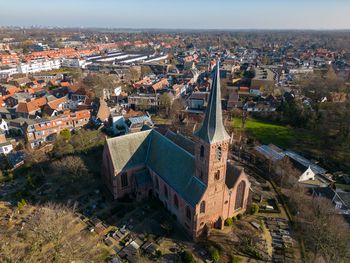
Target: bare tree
70 169
49 234
326 234
177 110
284 173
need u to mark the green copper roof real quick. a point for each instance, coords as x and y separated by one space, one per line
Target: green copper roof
169 161
129 150
176 167
212 129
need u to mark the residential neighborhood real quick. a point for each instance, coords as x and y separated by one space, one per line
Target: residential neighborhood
174 145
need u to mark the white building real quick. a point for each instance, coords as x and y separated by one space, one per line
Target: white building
4 126
7 72
74 63
6 148
307 175
38 65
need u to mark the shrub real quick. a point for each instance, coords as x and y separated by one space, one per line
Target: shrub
65 134
254 209
158 253
19 147
239 216
228 222
235 259
215 255
186 256
21 204
234 218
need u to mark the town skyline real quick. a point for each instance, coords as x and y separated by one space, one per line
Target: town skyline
218 15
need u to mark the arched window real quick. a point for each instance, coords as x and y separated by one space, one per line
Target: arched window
218 153
202 207
240 195
157 183
166 192
176 201
217 175
124 179
202 152
188 213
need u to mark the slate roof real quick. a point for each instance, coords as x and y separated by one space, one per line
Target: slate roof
129 150
181 141
270 152
176 167
305 162
169 161
232 174
212 129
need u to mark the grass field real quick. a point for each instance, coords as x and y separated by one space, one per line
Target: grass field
335 156
266 133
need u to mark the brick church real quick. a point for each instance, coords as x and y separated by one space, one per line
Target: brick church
193 179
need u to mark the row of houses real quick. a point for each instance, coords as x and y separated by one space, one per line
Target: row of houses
309 175
31 111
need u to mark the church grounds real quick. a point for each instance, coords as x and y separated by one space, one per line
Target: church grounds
104 216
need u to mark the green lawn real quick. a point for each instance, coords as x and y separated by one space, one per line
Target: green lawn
335 156
266 133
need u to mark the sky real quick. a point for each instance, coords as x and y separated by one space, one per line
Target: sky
178 14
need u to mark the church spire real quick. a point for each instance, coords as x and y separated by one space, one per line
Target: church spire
212 129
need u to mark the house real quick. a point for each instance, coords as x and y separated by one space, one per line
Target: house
304 163
79 95
160 84
3 125
30 108
260 106
52 107
103 112
144 101
255 91
43 130
135 124
13 100
15 159
307 175
340 199
5 146
201 190
234 102
7 89
20 82
4 113
264 79
123 123
197 101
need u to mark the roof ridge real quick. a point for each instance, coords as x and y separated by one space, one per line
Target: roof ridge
166 138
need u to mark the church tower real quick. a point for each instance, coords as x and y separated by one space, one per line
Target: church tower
212 141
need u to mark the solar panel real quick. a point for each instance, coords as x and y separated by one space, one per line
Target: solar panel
305 162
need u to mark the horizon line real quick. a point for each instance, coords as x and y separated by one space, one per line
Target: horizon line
172 28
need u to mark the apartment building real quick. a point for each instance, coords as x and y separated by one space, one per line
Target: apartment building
43 130
38 65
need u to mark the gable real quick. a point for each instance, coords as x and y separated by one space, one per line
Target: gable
233 175
169 161
129 150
